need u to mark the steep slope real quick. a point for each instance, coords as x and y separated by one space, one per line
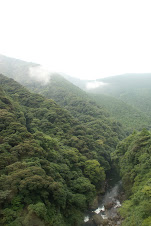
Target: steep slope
76 81
133 89
130 117
133 156
82 108
51 164
126 97
67 95
73 99
16 69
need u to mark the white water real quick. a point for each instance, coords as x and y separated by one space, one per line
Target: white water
86 219
118 204
98 210
109 197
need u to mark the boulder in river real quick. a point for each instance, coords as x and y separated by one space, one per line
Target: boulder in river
97 219
109 205
106 222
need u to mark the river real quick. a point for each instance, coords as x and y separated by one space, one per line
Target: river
106 213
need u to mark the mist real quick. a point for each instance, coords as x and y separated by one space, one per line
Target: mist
94 84
40 74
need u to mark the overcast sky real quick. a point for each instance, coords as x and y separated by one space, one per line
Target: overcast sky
82 38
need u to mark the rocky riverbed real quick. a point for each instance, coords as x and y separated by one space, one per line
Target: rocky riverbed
106 212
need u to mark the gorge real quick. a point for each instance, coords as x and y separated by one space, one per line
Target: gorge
59 147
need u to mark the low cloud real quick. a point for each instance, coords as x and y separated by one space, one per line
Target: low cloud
94 85
40 74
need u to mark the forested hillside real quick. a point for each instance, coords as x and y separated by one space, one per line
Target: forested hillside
57 142
15 68
133 89
80 106
70 97
133 157
51 164
130 117
126 97
130 93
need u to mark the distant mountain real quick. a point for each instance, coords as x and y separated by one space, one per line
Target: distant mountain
133 89
16 69
123 96
76 102
130 117
126 97
76 81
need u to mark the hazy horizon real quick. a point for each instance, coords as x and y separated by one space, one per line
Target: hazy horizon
85 39
46 72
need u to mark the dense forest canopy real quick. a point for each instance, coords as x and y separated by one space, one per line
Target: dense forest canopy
123 96
51 163
60 144
133 89
126 97
133 157
129 116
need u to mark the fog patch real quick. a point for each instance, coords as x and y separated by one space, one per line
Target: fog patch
94 85
40 74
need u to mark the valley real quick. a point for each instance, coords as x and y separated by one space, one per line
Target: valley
61 145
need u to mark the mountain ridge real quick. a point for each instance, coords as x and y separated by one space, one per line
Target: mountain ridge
63 92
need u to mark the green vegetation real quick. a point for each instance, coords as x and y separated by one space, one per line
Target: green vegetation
126 97
130 117
67 95
81 107
133 156
133 89
51 164
55 156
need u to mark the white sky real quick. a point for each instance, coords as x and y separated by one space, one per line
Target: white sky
82 38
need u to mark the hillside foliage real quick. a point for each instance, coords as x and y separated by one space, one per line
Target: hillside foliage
133 157
129 116
58 144
51 164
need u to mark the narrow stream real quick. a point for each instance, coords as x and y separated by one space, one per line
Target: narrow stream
107 208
